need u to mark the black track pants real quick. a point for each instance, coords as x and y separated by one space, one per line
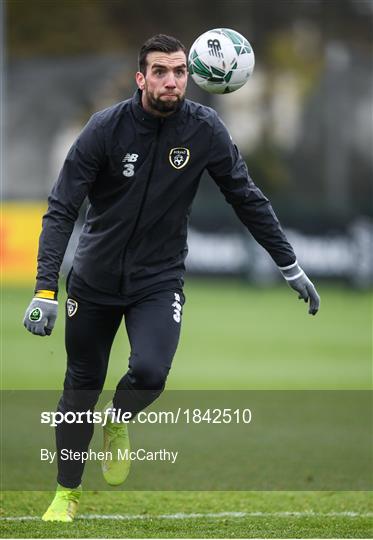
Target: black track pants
153 328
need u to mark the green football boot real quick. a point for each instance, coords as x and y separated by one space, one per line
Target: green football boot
116 441
64 505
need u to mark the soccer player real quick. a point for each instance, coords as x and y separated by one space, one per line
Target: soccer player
139 163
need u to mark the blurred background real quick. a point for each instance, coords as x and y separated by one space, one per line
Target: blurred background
303 121
304 125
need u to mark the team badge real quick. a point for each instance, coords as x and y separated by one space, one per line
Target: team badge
35 315
72 307
179 157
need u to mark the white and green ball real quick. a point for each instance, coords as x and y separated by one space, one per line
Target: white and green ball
221 61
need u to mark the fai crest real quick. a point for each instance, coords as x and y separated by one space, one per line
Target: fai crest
179 157
72 307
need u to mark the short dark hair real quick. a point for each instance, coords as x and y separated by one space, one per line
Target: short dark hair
161 43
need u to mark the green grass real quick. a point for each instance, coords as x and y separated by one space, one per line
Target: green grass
154 504
233 337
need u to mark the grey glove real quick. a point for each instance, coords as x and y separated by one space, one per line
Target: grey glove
40 316
298 281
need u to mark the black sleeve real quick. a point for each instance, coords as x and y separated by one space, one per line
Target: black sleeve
78 173
229 171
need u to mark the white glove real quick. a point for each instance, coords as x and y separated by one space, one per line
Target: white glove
298 281
40 316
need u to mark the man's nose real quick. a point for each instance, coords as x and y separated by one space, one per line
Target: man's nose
171 83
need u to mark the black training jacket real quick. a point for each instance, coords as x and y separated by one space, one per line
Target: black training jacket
141 174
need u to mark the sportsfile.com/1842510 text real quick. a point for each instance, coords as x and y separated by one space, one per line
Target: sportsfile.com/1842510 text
179 415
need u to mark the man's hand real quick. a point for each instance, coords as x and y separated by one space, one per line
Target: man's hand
40 316
298 281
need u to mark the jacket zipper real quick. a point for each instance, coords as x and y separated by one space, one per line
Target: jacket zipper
159 127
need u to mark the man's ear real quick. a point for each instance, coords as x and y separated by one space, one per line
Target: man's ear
140 80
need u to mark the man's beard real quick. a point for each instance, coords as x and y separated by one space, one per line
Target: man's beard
165 106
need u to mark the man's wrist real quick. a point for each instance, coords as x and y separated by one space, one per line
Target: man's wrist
45 294
292 271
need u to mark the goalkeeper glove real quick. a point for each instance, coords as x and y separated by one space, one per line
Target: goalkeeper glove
41 314
298 281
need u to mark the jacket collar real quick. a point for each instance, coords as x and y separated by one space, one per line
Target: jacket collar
151 120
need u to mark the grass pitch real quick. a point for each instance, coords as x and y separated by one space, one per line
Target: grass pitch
263 515
233 337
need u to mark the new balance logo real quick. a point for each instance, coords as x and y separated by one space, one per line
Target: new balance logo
214 48
129 167
177 308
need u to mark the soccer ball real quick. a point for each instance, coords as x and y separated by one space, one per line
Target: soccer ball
221 61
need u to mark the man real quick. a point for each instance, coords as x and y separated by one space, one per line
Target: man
139 162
